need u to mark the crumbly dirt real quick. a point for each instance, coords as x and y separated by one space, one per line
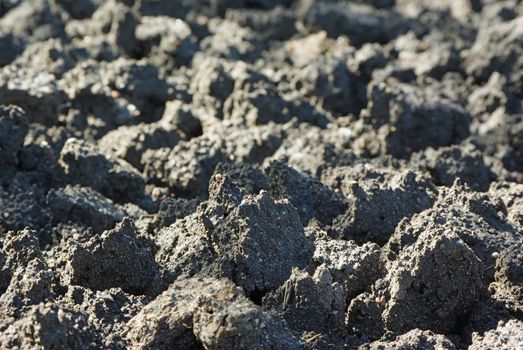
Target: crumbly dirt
261 174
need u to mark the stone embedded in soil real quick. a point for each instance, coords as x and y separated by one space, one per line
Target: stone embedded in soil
13 129
84 205
433 284
309 303
112 259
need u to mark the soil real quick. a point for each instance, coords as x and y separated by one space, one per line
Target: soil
261 174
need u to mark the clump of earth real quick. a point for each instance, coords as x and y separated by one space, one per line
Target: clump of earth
261 174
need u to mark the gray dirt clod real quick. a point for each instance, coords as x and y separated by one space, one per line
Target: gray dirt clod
173 209
30 285
276 24
259 242
310 197
113 22
309 303
113 259
251 145
167 41
179 116
85 165
85 206
167 321
52 56
186 168
184 248
249 179
374 210
354 267
208 311
12 46
36 21
492 95
334 18
50 326
110 309
471 215
512 197
254 100
130 142
448 163
407 118
508 335
20 248
417 299
211 84
414 339
508 285
327 83
13 129
363 317
241 325
244 45
261 174
36 91
498 49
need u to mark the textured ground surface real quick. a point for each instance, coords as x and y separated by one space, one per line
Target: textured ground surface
261 174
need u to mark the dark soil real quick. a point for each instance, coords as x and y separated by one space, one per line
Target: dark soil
261 174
